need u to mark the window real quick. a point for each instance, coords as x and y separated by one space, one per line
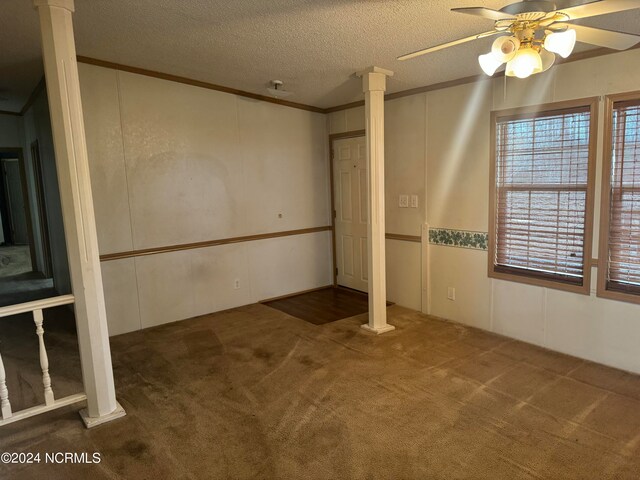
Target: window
542 195
619 275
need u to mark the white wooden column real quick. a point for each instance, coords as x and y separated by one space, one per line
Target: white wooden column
374 81
63 88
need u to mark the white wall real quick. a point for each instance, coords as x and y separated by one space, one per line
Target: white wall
176 164
453 123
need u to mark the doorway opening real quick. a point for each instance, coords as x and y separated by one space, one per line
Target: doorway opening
25 256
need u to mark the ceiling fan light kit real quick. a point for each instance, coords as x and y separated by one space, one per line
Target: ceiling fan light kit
536 31
524 57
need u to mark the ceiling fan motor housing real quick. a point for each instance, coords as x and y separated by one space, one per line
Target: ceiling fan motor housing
529 9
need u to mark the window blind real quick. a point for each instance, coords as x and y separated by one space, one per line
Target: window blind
542 170
624 217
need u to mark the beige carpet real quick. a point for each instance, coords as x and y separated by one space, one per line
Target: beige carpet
255 393
14 260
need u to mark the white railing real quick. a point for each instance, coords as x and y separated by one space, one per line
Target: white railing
50 403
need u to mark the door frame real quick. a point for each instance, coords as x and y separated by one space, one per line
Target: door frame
41 206
4 208
332 138
7 153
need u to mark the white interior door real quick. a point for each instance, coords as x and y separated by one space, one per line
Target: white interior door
350 191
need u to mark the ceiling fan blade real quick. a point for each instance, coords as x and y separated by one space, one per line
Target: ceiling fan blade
605 38
485 13
600 7
448 44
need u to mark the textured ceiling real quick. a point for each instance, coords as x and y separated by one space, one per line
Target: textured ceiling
314 46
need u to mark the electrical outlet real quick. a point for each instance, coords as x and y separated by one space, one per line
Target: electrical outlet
236 284
451 293
403 201
414 201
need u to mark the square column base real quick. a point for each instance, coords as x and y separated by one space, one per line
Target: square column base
378 330
91 422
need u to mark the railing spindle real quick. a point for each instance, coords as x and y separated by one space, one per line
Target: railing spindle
5 405
36 307
44 360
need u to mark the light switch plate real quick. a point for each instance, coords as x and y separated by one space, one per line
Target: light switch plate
414 201
451 293
403 202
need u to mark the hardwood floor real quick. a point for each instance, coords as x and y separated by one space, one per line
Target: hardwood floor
323 306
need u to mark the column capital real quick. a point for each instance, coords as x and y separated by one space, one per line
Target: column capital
374 79
66 4
373 69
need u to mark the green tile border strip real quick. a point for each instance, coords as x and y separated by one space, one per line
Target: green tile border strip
459 238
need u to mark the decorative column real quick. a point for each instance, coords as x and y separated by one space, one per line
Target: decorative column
63 88
373 85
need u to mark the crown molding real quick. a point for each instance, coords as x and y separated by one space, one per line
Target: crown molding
197 83
597 52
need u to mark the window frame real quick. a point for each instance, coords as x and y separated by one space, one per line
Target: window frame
534 111
605 201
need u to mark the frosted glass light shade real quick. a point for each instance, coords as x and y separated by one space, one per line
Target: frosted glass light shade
561 43
548 59
505 48
489 63
526 62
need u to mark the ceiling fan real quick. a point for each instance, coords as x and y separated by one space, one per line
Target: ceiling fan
534 31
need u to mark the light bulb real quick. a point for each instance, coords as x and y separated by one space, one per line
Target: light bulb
526 62
489 63
561 43
548 59
505 48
